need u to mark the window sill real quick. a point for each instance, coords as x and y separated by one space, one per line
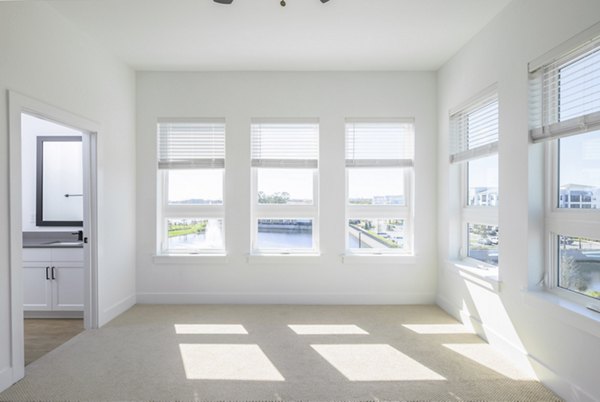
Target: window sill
190 259
568 312
378 259
483 275
282 258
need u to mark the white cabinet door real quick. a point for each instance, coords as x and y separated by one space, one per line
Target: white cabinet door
37 289
67 287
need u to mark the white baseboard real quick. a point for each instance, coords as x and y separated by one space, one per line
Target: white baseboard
485 332
285 298
53 314
556 382
462 316
6 378
116 310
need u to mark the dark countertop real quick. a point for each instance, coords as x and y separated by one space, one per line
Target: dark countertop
51 240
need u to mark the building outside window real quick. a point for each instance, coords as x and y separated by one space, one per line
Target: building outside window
191 166
565 99
379 180
285 186
474 148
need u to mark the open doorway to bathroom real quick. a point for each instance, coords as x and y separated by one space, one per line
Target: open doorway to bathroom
52 226
52 184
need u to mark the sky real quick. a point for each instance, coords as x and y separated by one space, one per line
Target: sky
208 183
483 172
297 182
195 184
580 159
579 94
369 182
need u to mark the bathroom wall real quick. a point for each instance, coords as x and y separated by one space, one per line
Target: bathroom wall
31 128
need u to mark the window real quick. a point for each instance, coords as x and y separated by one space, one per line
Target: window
579 265
191 163
474 148
565 99
285 182
379 176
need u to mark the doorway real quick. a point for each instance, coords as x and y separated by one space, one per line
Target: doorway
52 228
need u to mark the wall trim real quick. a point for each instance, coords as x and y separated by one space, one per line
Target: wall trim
463 316
285 298
558 384
53 314
6 378
116 309
18 104
484 331
547 376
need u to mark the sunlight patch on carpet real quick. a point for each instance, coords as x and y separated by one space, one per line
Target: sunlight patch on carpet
227 362
328 330
375 363
438 329
486 355
210 329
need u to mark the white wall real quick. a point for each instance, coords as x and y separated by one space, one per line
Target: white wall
331 97
43 57
562 346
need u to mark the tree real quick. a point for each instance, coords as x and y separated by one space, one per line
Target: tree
571 275
275 198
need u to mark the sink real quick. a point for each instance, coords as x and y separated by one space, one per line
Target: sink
51 239
64 243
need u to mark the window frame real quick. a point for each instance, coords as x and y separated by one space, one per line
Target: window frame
574 222
474 214
547 126
404 212
166 211
169 211
283 211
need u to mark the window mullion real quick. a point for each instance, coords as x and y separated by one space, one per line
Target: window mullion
377 211
483 215
285 211
206 211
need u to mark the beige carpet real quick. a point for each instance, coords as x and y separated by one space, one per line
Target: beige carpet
43 335
277 353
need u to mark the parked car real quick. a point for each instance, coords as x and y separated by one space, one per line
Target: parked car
485 241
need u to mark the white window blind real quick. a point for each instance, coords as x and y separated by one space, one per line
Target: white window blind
285 145
379 144
565 94
474 129
191 144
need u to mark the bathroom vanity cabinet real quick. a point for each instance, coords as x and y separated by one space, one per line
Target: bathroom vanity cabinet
53 279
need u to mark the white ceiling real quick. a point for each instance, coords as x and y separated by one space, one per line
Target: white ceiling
251 35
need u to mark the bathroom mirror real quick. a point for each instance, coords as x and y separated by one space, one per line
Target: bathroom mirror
59 195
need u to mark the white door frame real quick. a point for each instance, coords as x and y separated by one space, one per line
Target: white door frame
18 104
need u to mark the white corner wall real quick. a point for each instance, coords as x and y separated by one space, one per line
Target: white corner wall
331 97
42 56
562 346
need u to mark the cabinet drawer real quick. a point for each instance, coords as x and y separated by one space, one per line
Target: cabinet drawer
37 254
67 254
